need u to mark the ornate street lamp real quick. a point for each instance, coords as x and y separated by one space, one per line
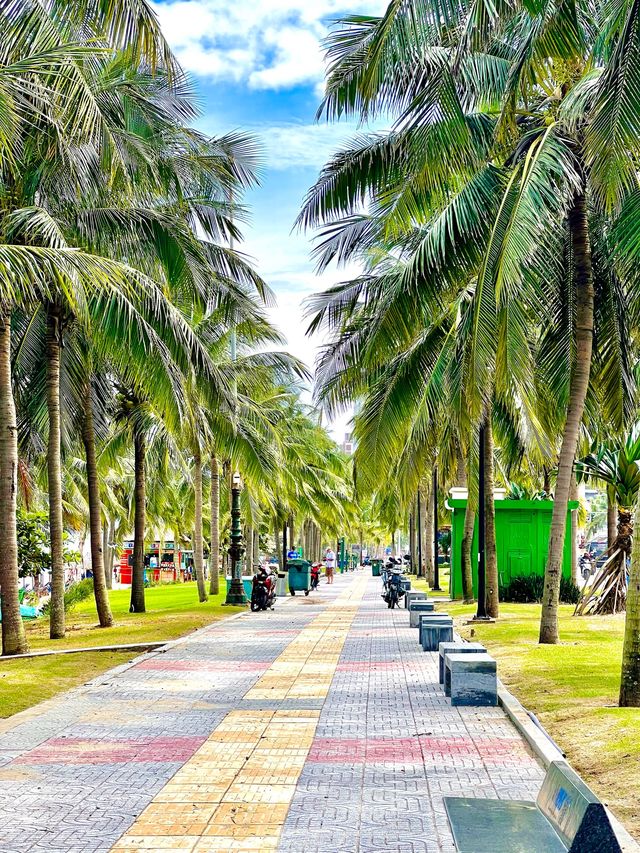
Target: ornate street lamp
235 595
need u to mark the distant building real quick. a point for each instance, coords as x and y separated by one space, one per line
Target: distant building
347 444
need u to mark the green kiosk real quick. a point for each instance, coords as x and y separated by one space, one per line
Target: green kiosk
522 539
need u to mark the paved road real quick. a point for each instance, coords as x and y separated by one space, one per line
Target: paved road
319 727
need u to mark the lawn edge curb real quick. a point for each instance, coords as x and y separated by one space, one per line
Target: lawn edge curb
149 646
546 751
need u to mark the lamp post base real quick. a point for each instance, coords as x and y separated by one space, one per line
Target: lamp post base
236 596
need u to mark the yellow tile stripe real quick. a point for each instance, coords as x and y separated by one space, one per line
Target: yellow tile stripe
235 791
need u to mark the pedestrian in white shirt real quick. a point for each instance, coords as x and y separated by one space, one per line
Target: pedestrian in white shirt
330 564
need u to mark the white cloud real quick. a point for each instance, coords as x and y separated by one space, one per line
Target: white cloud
269 44
303 145
296 145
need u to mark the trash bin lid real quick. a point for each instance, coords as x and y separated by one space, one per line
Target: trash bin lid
299 563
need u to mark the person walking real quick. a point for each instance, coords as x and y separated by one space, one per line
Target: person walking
329 563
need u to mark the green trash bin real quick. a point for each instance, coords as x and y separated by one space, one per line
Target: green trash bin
299 575
376 566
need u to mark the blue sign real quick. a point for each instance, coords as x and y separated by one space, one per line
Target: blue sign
292 555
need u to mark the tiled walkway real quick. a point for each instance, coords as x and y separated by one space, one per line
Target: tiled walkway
317 727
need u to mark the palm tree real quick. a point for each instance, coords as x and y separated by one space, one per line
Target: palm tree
44 92
499 160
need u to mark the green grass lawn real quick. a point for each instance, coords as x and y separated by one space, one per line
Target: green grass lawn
420 584
573 689
172 611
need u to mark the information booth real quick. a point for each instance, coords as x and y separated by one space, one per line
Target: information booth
160 566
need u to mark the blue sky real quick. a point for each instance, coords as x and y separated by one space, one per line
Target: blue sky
259 66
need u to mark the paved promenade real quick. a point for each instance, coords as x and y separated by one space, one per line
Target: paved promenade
317 728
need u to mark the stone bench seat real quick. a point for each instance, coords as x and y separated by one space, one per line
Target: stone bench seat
413 595
416 608
456 647
566 818
431 616
472 679
435 628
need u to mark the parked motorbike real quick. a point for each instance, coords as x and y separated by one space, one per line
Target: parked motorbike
392 578
263 590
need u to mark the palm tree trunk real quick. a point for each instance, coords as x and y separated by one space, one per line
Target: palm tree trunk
14 641
285 543
630 678
276 539
581 248
249 549
612 521
573 496
198 549
95 512
491 554
467 543
422 523
214 585
427 548
412 538
54 471
107 555
467 536
139 520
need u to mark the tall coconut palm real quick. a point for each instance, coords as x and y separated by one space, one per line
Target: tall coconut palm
46 102
488 95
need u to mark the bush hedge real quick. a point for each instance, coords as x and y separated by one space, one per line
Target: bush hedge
528 589
76 593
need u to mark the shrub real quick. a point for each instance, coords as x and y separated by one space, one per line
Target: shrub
528 589
76 593
569 592
523 589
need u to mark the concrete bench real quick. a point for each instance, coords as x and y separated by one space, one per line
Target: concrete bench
413 595
459 647
566 818
431 616
472 679
435 629
416 608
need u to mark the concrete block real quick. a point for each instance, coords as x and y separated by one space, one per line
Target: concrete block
413 595
425 619
473 678
435 633
460 648
416 609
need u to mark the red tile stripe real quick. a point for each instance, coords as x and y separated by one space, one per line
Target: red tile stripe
89 751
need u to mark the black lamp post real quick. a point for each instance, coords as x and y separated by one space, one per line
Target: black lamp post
419 536
482 593
235 595
436 565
